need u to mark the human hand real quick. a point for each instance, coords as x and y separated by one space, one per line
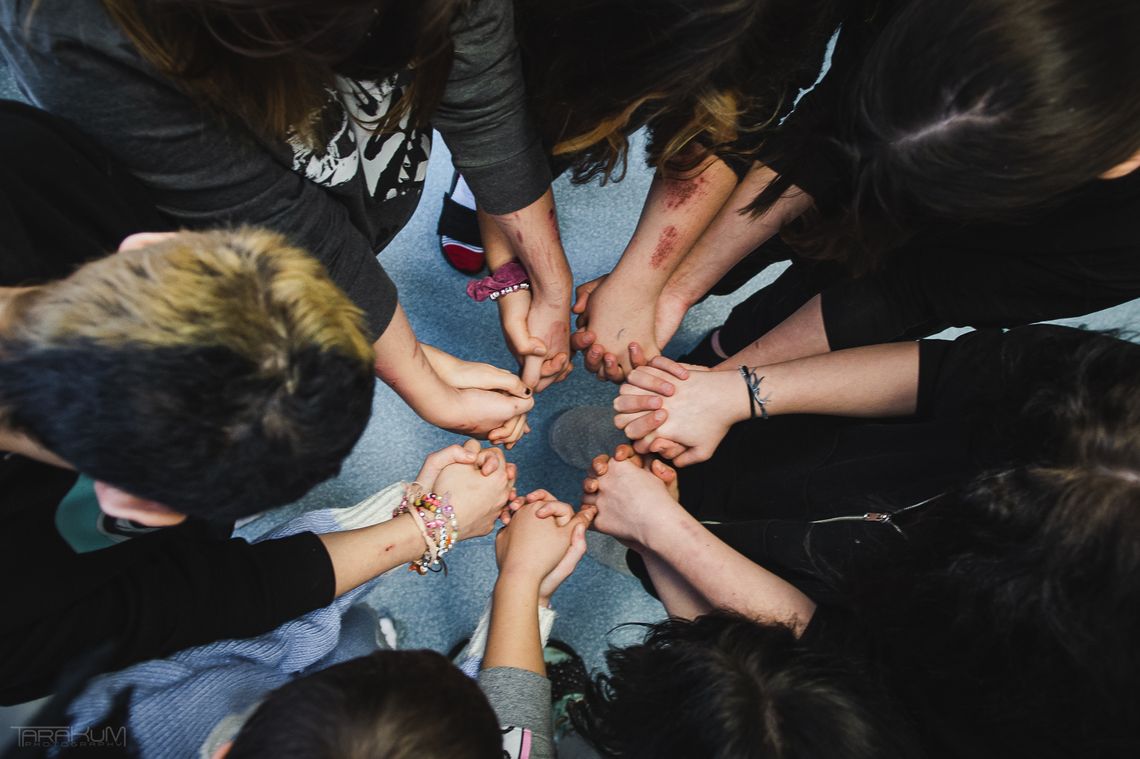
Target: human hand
632 497
473 375
513 311
549 322
543 542
670 312
478 491
436 461
608 323
698 410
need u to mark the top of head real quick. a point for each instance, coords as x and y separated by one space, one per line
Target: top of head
219 373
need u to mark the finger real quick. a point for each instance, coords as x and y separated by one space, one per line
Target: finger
589 500
691 456
561 511
521 340
589 485
542 494
663 471
652 380
532 371
623 452
552 367
516 432
488 462
582 339
623 421
582 296
637 355
473 445
592 359
504 381
512 471
612 368
600 465
645 424
669 449
636 404
642 445
669 365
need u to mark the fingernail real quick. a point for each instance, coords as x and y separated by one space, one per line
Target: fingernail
659 415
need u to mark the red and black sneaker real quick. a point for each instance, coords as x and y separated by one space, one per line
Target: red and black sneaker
459 238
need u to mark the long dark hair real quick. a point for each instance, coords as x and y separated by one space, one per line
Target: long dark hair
272 63
725 687
695 70
972 111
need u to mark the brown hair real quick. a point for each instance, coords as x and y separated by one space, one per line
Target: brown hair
697 72
273 63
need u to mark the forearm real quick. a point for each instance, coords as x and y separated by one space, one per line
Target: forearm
402 364
496 246
514 639
678 596
733 234
676 212
359 555
532 234
725 578
871 381
801 335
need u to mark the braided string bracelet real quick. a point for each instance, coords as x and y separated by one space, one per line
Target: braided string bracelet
436 520
754 398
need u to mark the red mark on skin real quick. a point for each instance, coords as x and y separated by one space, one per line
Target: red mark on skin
552 217
666 244
678 192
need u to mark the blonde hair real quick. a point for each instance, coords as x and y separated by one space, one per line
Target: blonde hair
218 373
247 290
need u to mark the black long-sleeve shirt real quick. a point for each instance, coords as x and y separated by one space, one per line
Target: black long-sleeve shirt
150 596
1077 257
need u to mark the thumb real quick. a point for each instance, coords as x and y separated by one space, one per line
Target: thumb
521 340
532 371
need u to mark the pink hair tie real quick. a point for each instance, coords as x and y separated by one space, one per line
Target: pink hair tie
509 278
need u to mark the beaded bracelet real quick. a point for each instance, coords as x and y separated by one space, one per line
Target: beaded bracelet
438 525
754 397
508 278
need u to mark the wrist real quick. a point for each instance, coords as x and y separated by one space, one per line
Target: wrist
668 529
518 582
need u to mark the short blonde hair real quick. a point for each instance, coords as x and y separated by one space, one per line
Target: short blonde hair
212 371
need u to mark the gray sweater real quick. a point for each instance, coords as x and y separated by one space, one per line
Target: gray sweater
345 202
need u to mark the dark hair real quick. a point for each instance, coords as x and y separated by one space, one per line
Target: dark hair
273 63
218 373
724 687
1015 104
1007 622
389 705
598 70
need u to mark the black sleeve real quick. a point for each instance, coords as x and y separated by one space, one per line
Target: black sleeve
152 596
922 292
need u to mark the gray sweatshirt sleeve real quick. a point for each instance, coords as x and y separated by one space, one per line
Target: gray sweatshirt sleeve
73 61
483 116
521 699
